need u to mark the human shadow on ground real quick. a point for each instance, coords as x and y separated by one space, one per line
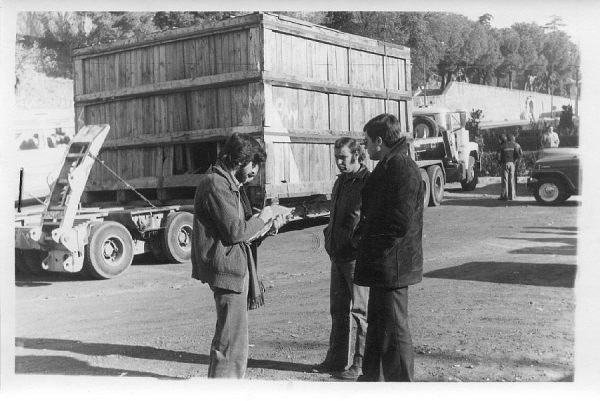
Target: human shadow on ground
131 351
538 274
495 202
63 365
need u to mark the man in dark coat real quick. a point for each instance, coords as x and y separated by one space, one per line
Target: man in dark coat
347 301
390 251
222 256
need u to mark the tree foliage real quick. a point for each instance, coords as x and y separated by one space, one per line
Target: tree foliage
444 46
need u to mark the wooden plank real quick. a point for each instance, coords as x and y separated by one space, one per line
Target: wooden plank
301 157
212 56
237 50
213 81
150 39
162 66
165 138
253 49
325 35
324 86
78 76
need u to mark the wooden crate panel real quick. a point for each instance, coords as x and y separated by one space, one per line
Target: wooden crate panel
285 102
313 112
363 109
366 70
337 64
339 112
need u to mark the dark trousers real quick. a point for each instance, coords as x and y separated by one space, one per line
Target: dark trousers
389 352
347 303
229 348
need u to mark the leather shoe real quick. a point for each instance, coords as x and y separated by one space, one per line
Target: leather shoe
352 373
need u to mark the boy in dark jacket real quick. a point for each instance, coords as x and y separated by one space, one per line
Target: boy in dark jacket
347 301
390 254
222 256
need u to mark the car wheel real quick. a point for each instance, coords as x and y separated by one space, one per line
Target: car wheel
550 191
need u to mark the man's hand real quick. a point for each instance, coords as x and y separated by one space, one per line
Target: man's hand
266 214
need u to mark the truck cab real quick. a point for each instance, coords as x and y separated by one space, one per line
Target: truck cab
440 133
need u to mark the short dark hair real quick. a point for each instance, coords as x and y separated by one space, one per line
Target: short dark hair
353 145
241 149
386 126
503 137
511 137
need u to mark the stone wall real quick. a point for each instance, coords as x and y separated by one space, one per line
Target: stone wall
498 104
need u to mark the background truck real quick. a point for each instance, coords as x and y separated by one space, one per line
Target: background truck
440 134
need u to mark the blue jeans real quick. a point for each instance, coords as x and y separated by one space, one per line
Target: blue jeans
389 354
229 348
347 303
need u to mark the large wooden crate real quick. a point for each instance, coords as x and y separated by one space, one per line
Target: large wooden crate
172 98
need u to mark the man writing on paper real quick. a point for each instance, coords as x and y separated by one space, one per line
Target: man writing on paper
222 256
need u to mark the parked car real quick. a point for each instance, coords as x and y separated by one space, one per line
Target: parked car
555 176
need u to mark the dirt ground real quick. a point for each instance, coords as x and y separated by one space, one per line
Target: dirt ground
496 304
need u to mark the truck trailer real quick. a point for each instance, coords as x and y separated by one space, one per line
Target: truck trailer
162 106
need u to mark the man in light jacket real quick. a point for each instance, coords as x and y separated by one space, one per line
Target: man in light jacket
221 254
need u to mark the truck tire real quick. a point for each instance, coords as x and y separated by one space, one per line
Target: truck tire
550 191
427 194
176 238
425 127
473 172
109 251
436 183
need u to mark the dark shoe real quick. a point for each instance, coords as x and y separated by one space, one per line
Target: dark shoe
326 367
352 373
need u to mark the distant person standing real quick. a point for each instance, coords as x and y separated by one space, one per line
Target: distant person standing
550 139
508 153
390 256
347 301
554 139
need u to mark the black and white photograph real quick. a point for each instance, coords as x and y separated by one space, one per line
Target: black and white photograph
299 199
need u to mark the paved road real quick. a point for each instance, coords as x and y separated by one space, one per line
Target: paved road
496 303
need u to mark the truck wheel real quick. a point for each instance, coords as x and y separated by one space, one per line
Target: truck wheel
436 180
550 191
427 194
176 239
109 251
472 172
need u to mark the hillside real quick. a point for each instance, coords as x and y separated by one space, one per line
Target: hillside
38 91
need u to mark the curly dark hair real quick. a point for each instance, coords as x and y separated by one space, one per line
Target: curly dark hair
353 145
386 126
241 149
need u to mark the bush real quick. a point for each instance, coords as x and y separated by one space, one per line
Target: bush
490 167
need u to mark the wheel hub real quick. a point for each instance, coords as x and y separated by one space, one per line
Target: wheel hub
110 250
184 237
548 192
